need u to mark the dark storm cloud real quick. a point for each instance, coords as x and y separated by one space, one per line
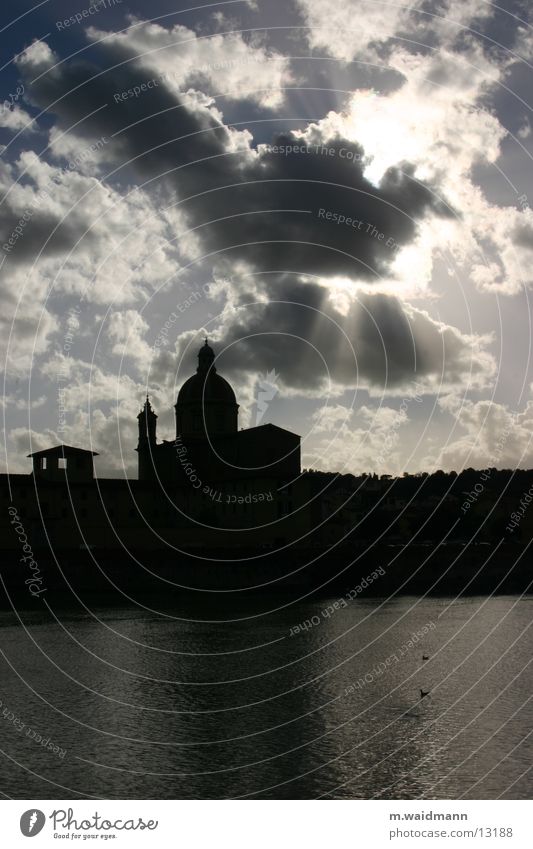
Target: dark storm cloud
26 233
309 210
154 128
378 342
312 211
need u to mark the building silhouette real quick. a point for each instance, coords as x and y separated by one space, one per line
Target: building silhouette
215 487
209 440
212 486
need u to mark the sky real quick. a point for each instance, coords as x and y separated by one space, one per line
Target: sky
336 194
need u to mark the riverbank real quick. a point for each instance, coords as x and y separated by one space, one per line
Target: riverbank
355 572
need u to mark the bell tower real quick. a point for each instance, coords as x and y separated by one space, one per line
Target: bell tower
147 421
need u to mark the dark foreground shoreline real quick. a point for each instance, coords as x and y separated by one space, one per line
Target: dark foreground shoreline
112 578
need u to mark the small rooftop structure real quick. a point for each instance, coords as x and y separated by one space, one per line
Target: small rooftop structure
63 461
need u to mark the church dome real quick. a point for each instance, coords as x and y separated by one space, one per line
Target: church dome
206 388
206 402
206 384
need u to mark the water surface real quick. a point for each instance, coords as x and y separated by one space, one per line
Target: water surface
144 705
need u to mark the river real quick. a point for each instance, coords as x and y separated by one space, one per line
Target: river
317 699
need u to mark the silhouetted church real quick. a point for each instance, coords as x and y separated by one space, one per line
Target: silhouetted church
216 487
208 438
212 486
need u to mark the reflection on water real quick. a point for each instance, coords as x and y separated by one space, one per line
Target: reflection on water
147 706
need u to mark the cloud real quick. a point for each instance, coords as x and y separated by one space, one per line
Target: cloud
15 119
417 193
37 56
332 418
446 76
86 384
365 30
27 325
25 441
72 150
112 436
99 406
215 64
301 205
156 136
354 28
327 239
502 261
493 435
484 434
380 343
126 330
367 440
490 245
80 235
242 202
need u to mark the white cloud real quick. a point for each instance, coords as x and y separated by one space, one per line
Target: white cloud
91 240
354 28
334 417
220 64
364 441
491 245
77 153
15 119
363 28
490 434
26 324
37 55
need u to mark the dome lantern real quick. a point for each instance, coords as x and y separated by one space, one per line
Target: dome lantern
206 358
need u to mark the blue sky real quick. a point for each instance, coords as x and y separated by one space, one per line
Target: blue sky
338 195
